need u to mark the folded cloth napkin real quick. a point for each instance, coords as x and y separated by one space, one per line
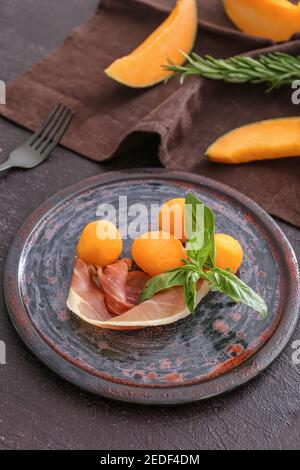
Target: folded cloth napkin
111 118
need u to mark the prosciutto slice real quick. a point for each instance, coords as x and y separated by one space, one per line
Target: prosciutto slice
108 298
121 287
92 299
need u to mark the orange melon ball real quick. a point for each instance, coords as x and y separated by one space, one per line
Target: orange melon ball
157 252
229 253
100 243
171 217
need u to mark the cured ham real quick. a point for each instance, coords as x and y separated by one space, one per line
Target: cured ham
92 299
136 281
121 287
108 298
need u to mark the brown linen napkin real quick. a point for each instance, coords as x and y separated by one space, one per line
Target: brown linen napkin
111 118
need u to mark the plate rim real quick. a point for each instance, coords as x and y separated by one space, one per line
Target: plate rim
140 394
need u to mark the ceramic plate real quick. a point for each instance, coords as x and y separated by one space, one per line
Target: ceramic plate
221 347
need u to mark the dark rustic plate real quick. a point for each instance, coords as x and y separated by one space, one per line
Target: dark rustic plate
223 346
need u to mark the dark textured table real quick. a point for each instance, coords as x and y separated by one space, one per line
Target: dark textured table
38 410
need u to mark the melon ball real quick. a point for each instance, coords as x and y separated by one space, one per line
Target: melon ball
157 252
229 253
171 217
100 243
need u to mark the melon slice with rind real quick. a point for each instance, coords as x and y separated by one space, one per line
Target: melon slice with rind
271 19
262 140
144 66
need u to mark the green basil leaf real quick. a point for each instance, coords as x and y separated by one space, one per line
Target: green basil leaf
203 255
200 228
194 222
230 285
173 278
190 290
209 221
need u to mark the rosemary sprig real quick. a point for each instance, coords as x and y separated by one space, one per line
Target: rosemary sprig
275 69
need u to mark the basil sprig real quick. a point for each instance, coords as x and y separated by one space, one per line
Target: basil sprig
200 264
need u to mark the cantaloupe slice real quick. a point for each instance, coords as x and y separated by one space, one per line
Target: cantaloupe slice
272 19
144 66
264 140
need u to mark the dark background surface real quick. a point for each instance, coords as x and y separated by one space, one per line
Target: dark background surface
38 410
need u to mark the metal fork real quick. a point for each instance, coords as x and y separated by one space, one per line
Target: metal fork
37 148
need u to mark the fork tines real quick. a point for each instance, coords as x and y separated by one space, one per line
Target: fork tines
53 129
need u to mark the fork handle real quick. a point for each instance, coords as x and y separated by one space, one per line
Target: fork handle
5 166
